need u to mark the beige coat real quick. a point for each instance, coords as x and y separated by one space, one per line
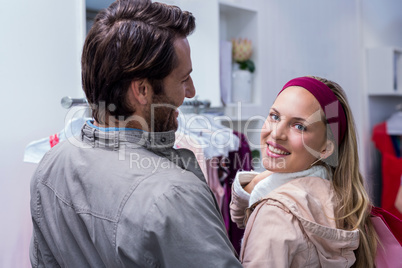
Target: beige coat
294 227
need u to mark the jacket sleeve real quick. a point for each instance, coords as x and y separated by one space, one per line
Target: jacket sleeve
34 254
240 198
238 206
272 238
185 229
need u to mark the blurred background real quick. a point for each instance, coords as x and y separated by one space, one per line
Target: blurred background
357 43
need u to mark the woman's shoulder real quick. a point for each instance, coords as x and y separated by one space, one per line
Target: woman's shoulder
311 202
311 198
307 187
300 225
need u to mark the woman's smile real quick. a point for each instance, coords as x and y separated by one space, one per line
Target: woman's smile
276 150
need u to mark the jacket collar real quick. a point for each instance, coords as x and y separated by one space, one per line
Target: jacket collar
275 180
113 138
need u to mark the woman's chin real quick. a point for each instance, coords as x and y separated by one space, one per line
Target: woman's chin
274 164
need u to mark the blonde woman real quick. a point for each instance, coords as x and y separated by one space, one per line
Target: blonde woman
310 208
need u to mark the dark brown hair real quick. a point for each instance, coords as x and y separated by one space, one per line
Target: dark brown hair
131 39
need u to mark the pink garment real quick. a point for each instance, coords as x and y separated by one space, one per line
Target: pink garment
213 180
389 253
388 229
209 167
187 142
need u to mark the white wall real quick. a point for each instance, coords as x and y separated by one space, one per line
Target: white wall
313 37
381 24
382 21
39 64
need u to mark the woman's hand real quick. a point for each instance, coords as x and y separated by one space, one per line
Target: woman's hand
249 187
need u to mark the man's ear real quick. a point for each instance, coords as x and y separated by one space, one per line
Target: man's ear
328 150
141 91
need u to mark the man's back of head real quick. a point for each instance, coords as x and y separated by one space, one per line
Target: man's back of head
130 40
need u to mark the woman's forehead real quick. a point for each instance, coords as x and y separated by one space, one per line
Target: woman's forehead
298 102
297 98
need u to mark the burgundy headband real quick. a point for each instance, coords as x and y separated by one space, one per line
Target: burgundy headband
330 104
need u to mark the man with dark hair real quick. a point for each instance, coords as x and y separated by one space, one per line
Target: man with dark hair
121 196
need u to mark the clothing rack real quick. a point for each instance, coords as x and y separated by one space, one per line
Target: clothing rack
68 102
196 106
197 103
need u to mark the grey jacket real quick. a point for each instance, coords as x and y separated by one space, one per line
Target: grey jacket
124 198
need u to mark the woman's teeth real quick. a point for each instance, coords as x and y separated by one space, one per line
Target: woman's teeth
276 150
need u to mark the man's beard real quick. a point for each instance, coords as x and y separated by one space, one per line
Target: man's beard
161 116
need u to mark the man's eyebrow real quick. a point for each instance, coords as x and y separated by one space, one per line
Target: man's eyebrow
188 73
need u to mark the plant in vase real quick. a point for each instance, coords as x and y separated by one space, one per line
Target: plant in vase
242 51
242 71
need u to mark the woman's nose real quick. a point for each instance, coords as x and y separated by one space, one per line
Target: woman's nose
278 131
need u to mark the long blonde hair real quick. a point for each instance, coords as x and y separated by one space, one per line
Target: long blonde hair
354 205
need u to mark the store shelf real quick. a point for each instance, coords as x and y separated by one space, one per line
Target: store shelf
384 71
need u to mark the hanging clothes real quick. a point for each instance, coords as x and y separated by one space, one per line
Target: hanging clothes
215 139
214 182
387 227
188 142
391 167
240 160
394 124
35 150
398 201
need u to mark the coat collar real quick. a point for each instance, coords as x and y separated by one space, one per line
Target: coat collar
113 138
275 180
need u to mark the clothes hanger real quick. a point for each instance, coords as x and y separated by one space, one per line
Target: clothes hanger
394 123
35 150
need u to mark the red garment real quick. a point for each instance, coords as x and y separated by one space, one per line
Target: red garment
53 140
391 169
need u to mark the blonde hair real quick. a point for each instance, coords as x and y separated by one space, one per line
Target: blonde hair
354 205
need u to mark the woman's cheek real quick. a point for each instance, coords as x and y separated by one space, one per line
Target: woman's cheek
265 130
308 144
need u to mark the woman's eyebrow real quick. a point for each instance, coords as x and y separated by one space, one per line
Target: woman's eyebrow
275 110
293 118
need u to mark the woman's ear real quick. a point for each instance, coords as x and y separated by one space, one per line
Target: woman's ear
141 91
328 150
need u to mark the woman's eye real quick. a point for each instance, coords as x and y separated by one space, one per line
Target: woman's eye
300 127
274 117
185 80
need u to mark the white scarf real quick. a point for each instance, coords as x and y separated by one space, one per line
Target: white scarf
273 181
